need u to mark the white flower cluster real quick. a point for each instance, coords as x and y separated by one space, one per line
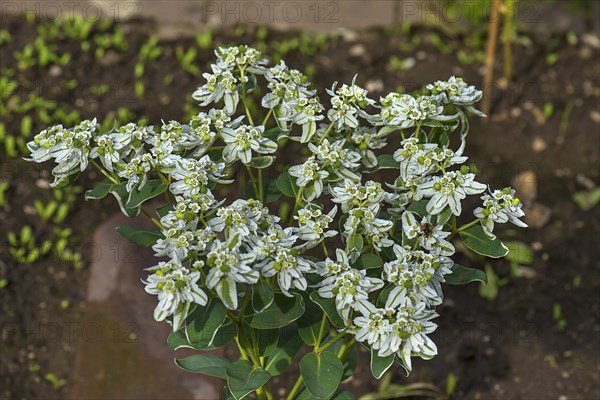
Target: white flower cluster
500 206
214 249
456 91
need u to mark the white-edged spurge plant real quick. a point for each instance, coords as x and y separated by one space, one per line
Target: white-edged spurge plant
354 262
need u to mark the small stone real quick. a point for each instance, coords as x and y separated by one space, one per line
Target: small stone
585 53
568 353
348 34
42 183
537 215
538 144
515 112
489 352
55 71
358 50
565 375
29 210
595 116
374 85
421 55
591 40
110 58
525 185
537 246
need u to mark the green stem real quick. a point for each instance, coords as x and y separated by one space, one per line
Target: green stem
105 173
295 388
296 203
261 189
324 248
252 180
154 220
321 329
264 123
331 342
325 134
462 228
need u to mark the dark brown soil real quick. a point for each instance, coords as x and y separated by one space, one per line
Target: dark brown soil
508 348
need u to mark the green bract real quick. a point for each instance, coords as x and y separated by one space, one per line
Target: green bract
349 260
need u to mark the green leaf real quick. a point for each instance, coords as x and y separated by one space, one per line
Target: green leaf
379 365
351 360
262 295
328 306
587 199
386 161
206 364
274 133
287 184
142 237
322 373
281 312
223 335
64 181
419 207
242 378
270 190
489 291
309 324
477 240
288 346
339 395
122 195
268 340
519 252
368 261
261 162
439 136
100 191
204 322
151 189
355 242
461 275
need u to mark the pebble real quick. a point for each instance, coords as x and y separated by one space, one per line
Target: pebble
110 58
595 116
489 352
421 55
525 184
358 50
591 40
568 353
42 183
585 53
374 85
538 144
348 34
55 71
537 246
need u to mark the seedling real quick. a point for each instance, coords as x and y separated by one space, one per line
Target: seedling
187 60
559 319
204 40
